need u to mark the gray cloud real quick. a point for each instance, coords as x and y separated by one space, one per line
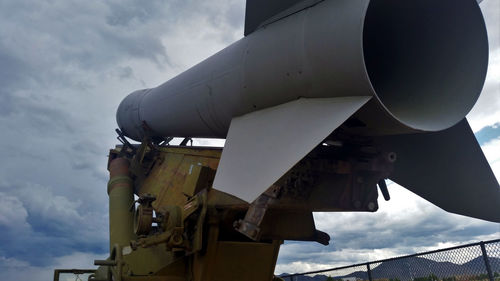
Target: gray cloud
45 225
64 67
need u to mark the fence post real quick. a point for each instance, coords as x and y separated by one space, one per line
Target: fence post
369 271
486 261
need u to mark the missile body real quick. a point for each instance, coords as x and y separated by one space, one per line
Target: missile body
393 67
422 62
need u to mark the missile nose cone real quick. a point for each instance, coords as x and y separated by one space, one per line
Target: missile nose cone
128 115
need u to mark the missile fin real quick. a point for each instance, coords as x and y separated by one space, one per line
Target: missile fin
263 145
449 169
262 12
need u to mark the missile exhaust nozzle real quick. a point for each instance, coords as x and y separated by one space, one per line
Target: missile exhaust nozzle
426 60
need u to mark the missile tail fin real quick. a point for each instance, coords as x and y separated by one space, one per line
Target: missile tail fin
449 169
261 12
263 145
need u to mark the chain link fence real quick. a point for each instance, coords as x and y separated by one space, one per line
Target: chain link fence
471 262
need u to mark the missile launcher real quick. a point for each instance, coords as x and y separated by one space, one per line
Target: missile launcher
319 103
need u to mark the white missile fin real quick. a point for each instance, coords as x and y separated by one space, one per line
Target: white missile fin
263 145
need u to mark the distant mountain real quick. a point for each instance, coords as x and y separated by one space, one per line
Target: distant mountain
478 262
414 267
318 277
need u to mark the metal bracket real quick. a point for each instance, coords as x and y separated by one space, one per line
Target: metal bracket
250 225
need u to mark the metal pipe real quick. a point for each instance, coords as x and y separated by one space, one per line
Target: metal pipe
121 197
486 261
369 271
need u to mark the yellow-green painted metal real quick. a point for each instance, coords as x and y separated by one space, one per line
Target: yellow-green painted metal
167 177
195 238
121 219
121 224
180 178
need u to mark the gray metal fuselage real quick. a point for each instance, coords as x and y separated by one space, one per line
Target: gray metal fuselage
404 74
321 52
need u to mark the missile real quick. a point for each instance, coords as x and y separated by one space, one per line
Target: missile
405 73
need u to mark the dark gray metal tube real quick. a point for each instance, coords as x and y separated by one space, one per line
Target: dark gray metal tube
369 272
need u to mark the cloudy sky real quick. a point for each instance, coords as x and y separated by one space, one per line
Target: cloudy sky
64 67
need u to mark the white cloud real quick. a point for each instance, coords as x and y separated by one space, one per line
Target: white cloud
491 150
487 110
78 260
404 225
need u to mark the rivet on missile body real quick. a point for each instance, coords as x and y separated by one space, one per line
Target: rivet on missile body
371 206
392 157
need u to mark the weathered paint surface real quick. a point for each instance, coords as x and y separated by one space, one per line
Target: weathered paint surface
168 175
